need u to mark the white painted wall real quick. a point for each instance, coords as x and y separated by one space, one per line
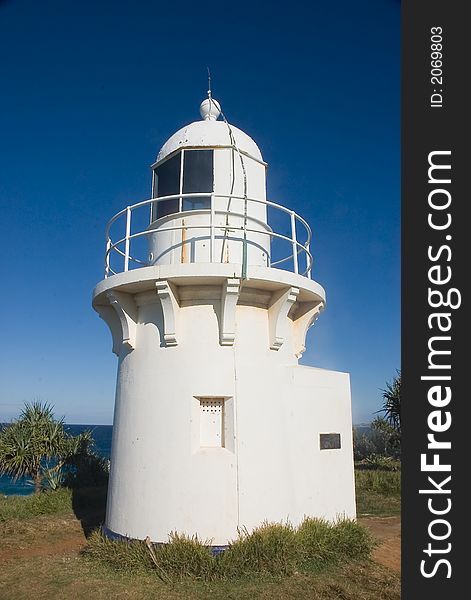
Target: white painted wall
271 466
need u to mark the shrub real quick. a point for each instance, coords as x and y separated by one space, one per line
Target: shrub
380 440
387 439
363 445
87 470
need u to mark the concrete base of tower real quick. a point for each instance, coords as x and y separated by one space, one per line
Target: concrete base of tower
216 426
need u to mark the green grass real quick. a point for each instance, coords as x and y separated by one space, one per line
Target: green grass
78 578
277 562
273 549
387 483
45 503
378 492
52 502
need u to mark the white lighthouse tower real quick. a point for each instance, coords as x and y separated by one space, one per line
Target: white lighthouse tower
208 295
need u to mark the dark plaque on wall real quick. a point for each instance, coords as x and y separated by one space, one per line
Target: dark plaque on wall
330 441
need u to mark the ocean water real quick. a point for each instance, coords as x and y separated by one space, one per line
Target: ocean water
102 437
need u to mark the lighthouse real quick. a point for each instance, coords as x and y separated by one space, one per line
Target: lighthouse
208 294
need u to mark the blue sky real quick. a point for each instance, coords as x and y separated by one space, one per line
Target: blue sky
91 90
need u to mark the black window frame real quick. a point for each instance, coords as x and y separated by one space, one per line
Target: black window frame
168 207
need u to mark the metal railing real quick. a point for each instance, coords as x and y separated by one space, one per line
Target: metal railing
299 250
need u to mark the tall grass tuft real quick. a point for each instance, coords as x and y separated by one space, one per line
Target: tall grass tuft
324 543
351 540
317 543
185 556
274 549
131 556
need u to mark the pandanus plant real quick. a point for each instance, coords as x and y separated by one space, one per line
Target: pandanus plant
392 402
37 445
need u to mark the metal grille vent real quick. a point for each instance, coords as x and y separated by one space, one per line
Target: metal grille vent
211 422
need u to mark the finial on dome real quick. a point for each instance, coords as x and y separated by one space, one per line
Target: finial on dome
210 109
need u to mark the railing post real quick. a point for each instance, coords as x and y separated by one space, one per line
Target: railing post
308 261
294 242
211 230
126 243
107 258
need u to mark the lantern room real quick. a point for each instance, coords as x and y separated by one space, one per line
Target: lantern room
209 186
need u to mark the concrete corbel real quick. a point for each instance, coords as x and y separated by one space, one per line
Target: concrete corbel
109 316
278 310
304 319
126 311
229 297
170 308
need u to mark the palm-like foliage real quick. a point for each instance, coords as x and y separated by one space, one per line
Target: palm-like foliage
392 402
16 453
37 445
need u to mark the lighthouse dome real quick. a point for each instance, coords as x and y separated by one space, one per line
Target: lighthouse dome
209 133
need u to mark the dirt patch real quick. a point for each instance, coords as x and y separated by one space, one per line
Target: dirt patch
68 545
387 530
43 536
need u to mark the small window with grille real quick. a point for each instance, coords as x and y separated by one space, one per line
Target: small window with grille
212 422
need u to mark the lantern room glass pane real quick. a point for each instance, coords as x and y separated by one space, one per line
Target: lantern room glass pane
167 183
198 177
